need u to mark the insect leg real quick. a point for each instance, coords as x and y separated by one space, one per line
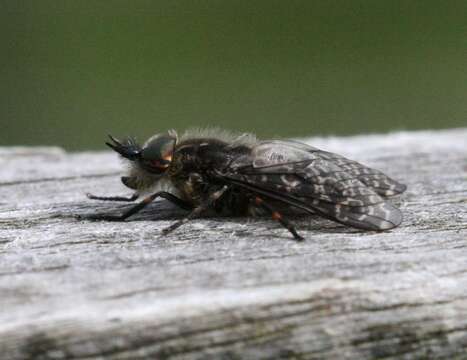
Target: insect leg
277 216
197 211
146 201
113 198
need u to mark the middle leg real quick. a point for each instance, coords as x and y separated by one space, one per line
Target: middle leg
197 211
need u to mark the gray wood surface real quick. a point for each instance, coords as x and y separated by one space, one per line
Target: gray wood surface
232 288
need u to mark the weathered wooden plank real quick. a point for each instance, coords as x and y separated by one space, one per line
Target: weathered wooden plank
233 288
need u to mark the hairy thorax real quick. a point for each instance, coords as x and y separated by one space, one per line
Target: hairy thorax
193 168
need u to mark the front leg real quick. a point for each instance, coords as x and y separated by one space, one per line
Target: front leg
138 207
113 198
130 182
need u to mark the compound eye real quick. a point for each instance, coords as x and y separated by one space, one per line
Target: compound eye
157 153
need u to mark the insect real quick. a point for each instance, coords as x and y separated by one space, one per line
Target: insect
209 170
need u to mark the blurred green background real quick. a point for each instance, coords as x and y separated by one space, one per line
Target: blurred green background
72 71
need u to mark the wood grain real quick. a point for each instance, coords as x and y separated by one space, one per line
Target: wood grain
232 288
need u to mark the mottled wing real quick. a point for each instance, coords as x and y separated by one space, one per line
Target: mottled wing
372 178
319 182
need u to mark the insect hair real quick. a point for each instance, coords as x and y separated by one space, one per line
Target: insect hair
230 137
147 182
212 169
